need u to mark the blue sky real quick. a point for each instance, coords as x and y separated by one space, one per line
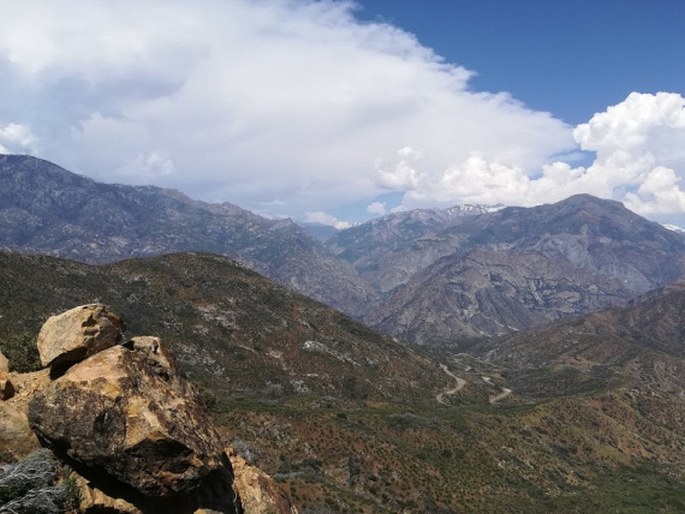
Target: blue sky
335 111
572 58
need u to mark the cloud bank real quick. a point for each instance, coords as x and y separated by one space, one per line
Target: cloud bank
289 107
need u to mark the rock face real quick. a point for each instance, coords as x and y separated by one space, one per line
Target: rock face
16 438
258 492
74 335
125 410
500 272
123 418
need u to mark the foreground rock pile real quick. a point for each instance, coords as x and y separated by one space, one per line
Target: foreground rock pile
122 417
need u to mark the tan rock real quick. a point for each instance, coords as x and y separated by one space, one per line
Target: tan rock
4 364
93 500
127 411
78 333
6 386
259 493
25 386
16 438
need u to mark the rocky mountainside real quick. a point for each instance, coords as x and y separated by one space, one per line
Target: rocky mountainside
431 276
389 250
517 268
633 338
46 209
230 328
346 420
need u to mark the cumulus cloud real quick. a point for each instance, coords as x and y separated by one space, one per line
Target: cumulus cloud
377 208
16 138
639 146
294 107
277 102
326 219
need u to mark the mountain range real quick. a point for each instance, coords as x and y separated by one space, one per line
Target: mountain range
46 209
428 276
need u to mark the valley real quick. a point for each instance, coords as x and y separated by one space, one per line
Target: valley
481 359
351 421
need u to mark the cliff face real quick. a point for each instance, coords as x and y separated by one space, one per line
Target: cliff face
120 415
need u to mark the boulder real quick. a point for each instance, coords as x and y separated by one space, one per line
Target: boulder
4 364
25 387
16 438
127 412
78 333
259 493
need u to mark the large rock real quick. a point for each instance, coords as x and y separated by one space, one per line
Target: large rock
126 411
16 438
93 500
259 493
78 333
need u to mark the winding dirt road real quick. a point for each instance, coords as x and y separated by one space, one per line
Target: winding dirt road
505 392
449 392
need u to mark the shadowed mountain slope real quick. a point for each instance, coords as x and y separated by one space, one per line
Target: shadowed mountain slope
46 209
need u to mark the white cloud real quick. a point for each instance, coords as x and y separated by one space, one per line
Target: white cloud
16 138
640 160
287 102
294 106
326 219
377 208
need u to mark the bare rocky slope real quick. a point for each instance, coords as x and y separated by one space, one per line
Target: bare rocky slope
520 267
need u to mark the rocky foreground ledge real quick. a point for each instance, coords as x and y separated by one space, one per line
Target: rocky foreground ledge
130 431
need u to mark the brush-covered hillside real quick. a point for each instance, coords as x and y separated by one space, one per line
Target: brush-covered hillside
563 419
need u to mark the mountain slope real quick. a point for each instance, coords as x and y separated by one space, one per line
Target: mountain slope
351 421
388 250
518 268
231 328
46 209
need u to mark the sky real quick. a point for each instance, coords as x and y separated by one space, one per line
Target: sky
338 111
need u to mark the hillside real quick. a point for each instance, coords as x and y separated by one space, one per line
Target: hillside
351 421
231 329
46 209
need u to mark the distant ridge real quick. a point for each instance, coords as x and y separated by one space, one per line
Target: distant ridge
428 276
46 209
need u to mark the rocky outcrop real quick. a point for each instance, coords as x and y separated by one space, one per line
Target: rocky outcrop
17 440
126 411
78 333
258 492
4 364
125 420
